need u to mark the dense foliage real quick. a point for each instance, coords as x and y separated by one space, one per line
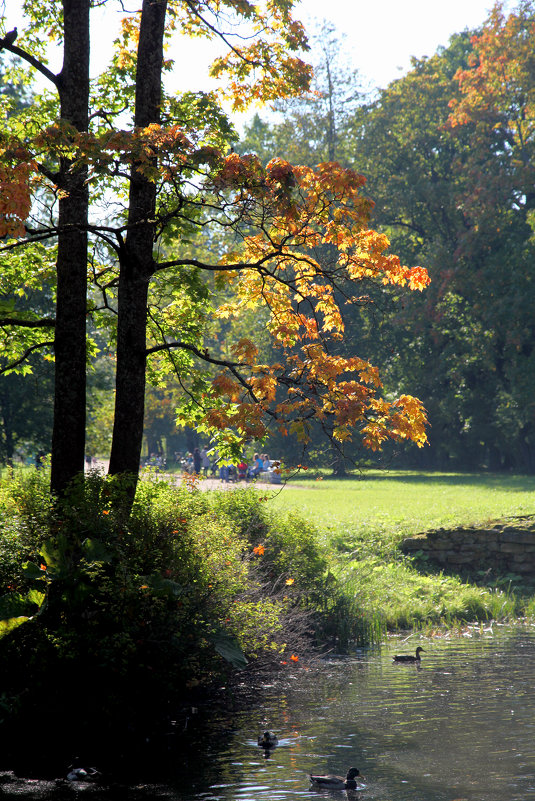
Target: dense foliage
193 589
447 151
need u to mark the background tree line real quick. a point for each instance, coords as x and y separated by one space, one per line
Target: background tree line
447 151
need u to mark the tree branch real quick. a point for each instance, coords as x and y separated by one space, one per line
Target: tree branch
25 356
223 36
18 51
205 356
202 354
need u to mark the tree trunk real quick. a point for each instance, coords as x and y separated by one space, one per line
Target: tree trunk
338 462
68 436
137 262
5 407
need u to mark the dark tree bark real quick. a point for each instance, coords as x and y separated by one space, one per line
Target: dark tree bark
136 261
7 428
68 437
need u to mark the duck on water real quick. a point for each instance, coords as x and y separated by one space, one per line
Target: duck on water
331 782
268 740
407 658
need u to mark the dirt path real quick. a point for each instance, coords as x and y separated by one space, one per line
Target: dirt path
203 483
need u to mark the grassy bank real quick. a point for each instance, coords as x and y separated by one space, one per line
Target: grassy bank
364 518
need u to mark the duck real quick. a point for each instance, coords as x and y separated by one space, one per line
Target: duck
407 658
82 774
268 740
9 38
331 782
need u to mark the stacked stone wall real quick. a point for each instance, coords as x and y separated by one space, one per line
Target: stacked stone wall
507 547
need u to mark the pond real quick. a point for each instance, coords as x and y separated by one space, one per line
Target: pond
459 726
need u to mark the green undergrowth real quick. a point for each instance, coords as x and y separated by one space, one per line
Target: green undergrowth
188 591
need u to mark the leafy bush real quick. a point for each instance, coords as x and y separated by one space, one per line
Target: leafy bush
189 587
295 565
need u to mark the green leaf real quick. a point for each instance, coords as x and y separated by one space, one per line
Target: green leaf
12 623
33 571
228 647
51 553
36 597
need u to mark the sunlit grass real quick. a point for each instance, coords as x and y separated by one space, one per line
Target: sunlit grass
405 503
363 519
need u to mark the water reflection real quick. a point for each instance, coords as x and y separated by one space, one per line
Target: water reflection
459 726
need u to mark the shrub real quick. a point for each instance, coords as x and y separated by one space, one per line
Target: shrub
189 587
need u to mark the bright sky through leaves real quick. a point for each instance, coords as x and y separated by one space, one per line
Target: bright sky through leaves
383 35
380 36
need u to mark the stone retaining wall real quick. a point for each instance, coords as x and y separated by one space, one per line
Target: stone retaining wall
507 547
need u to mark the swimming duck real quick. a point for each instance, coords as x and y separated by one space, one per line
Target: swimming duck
268 740
330 782
82 774
404 658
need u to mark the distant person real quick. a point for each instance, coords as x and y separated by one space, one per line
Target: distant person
258 465
39 456
205 461
197 461
266 464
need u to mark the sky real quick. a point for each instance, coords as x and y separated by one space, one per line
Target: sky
380 35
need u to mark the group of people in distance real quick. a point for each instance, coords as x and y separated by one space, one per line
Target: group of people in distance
199 462
244 471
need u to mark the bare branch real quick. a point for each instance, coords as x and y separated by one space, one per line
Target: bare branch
223 36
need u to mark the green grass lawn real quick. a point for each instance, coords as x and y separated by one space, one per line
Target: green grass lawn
364 518
405 503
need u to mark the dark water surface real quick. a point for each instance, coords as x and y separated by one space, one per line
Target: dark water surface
460 726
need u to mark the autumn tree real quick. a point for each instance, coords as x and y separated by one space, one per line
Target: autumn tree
445 196
153 186
308 130
497 103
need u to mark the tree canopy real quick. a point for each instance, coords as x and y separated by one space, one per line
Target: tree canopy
446 150
128 201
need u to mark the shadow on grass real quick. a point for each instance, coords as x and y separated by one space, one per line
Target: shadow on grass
505 481
490 577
